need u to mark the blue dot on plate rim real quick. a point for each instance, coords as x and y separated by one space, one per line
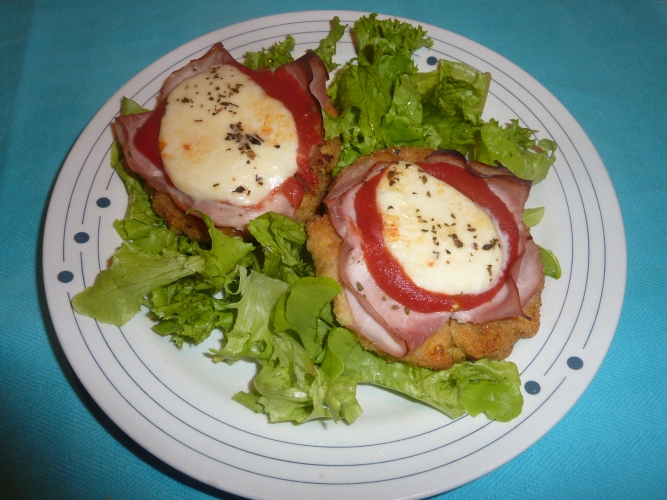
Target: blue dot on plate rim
103 202
575 363
432 61
65 276
81 237
532 387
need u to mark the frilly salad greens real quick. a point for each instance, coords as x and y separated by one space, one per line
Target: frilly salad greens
264 296
385 101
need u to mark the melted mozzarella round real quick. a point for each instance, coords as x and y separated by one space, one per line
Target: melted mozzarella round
443 240
222 138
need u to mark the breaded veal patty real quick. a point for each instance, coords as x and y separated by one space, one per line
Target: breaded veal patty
322 163
453 342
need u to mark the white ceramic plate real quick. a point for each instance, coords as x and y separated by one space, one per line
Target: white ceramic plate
177 404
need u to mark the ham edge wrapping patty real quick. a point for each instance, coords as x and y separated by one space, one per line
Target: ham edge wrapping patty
309 74
371 310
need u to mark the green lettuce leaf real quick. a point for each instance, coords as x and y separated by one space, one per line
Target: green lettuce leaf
299 312
491 387
251 335
151 257
362 90
283 243
289 387
377 38
225 255
533 216
278 54
551 266
515 148
384 101
363 99
455 91
453 98
140 219
403 119
188 311
327 47
118 292
130 107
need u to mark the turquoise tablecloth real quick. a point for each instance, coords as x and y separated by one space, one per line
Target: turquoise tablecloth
606 61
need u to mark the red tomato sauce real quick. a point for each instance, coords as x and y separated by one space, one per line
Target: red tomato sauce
283 86
389 273
280 85
147 137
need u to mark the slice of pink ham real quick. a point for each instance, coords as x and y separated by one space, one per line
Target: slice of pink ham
309 73
396 329
389 324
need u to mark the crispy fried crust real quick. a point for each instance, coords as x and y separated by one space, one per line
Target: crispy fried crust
179 222
322 162
453 342
403 153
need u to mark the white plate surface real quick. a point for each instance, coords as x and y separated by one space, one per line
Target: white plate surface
177 404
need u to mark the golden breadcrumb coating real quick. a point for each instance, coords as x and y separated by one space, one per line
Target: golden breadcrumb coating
322 163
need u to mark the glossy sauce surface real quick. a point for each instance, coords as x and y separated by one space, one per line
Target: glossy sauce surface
390 273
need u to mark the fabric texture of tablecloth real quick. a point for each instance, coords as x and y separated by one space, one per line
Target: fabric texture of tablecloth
605 60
